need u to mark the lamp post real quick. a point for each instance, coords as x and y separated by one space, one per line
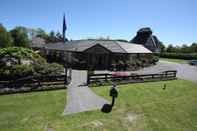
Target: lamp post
113 93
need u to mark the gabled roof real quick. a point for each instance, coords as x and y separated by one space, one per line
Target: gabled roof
37 42
111 45
133 48
144 37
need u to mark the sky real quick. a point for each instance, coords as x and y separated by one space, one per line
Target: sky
172 21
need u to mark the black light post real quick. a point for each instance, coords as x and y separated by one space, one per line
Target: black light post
66 76
113 94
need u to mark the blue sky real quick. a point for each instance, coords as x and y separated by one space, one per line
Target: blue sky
173 21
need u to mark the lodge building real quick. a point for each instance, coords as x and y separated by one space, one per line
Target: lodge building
96 54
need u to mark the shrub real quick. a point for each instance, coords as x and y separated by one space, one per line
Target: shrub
11 62
21 53
16 71
155 59
186 56
48 69
22 70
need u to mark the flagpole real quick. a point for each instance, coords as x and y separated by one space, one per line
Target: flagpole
64 27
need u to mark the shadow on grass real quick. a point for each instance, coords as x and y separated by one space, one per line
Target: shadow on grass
106 108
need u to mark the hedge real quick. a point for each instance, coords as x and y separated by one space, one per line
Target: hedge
185 56
5 91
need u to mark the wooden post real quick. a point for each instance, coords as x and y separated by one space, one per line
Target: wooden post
105 77
65 79
88 79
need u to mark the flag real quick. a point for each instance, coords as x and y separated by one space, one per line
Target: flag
64 27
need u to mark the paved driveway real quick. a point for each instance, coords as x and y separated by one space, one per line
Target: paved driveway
80 98
185 71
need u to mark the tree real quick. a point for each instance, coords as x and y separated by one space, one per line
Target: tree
55 37
185 49
51 37
5 37
20 37
170 48
41 33
162 47
193 48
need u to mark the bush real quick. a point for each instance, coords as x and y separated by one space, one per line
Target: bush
22 70
48 69
155 59
16 71
21 53
11 63
185 56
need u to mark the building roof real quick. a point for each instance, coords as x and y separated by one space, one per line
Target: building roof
111 45
144 36
37 42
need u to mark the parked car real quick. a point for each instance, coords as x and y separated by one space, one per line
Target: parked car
193 62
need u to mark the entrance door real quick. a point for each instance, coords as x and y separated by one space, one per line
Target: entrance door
98 61
101 61
97 57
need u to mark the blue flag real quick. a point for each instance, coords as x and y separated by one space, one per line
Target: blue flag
64 27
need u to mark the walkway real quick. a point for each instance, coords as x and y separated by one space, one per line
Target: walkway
80 98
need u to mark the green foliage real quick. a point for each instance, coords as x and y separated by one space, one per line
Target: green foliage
48 69
180 61
38 65
193 47
54 37
17 71
21 53
5 37
20 37
186 56
21 70
170 48
41 33
162 47
18 54
182 49
155 59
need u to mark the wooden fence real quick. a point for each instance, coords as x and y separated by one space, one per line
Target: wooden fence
34 81
30 83
166 75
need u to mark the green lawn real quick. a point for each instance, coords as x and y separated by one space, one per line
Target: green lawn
139 107
180 61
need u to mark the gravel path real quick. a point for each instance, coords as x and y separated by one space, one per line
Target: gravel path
80 98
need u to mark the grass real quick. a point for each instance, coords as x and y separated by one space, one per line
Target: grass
180 61
173 109
139 107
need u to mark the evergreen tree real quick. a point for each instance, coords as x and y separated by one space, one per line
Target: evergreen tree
20 37
5 37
